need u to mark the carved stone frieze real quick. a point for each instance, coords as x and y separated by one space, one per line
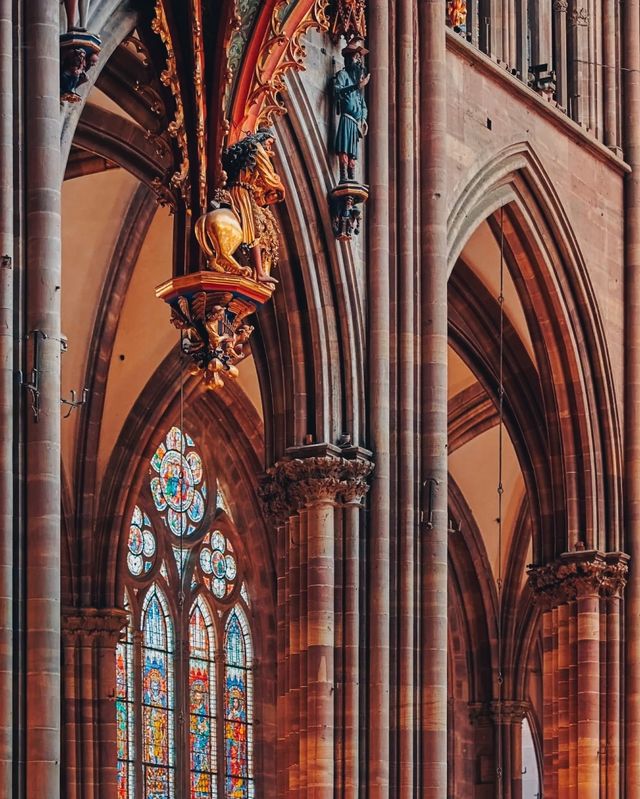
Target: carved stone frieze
577 574
296 483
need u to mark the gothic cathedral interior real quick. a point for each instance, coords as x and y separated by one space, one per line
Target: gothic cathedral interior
320 390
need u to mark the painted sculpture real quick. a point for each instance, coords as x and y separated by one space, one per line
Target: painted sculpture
239 238
351 107
457 14
241 219
349 19
79 50
348 87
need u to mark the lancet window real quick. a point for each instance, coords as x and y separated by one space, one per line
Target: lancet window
184 669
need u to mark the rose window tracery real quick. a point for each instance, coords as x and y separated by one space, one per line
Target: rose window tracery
218 564
141 544
178 489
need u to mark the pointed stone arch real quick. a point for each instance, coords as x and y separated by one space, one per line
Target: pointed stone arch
552 279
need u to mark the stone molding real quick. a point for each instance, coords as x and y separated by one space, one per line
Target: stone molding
324 475
103 624
578 574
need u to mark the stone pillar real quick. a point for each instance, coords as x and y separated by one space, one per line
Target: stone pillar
575 595
42 500
560 61
314 498
90 636
578 30
379 14
433 401
7 370
405 694
352 498
610 74
631 140
613 695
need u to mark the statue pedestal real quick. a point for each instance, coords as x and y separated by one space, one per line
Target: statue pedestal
344 200
210 308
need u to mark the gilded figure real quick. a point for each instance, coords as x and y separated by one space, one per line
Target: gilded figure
243 218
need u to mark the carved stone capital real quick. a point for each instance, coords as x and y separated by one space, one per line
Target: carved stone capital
508 711
579 17
578 574
104 625
299 482
561 6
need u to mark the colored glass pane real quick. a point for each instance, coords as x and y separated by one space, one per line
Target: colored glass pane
217 563
178 489
158 749
125 777
141 543
195 463
181 559
196 511
238 708
202 704
244 593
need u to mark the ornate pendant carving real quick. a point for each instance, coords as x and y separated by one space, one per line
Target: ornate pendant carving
239 238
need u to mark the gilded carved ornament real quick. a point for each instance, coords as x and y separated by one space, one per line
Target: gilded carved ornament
457 14
239 239
239 236
258 92
200 101
169 78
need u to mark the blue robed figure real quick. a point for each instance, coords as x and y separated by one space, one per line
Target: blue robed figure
348 89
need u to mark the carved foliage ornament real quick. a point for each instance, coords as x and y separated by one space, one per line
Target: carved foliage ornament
349 19
578 574
258 93
291 485
169 78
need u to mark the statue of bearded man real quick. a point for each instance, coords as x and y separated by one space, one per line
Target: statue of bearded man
348 87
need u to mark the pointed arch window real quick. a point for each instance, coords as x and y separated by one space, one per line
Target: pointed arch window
184 672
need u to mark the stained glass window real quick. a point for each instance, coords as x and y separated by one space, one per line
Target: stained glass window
193 662
125 720
238 708
178 485
218 564
141 544
158 749
202 703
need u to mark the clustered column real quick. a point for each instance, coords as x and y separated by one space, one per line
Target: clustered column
315 502
579 596
89 639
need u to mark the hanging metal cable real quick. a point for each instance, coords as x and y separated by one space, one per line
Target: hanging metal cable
182 621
